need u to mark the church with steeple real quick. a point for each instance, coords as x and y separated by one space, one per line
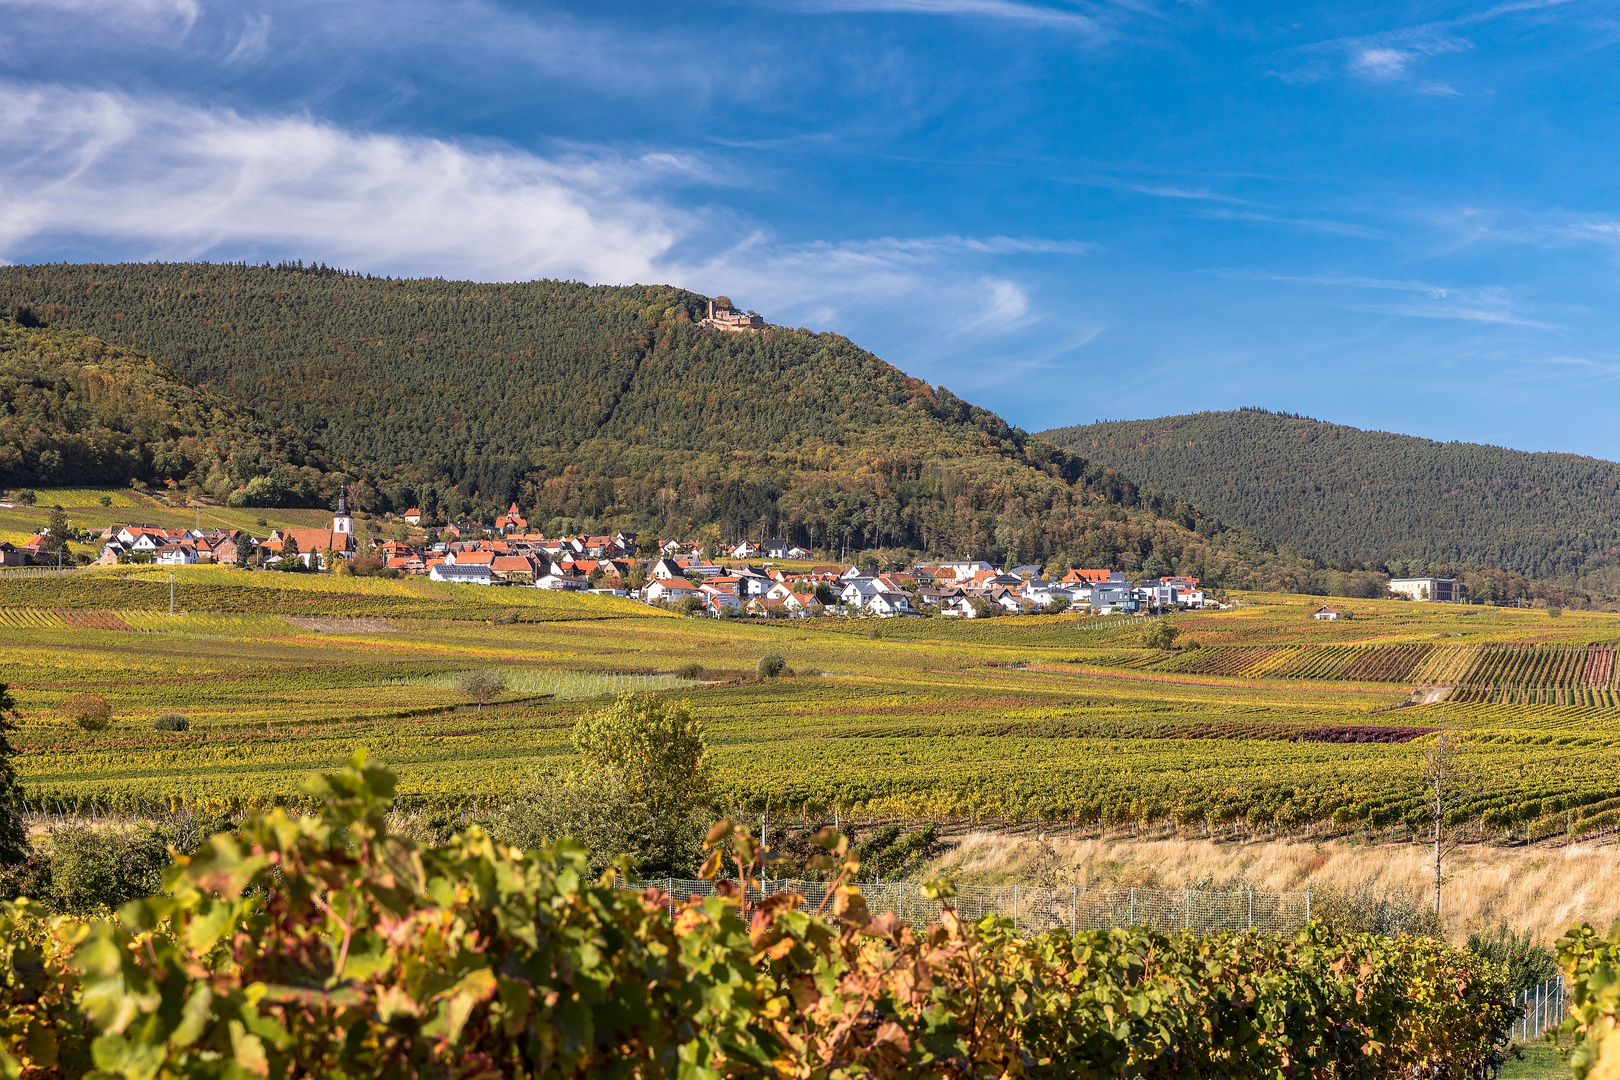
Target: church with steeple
314 544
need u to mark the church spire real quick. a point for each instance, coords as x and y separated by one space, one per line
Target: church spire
341 521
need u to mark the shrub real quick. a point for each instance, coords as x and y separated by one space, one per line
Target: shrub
770 666
690 671
171 721
1528 963
643 797
1554 612
480 686
97 870
1367 908
92 712
1161 635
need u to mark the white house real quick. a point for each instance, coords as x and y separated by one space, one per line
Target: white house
1326 614
797 553
462 573
889 604
671 590
558 581
173 554
666 570
746 550
959 606
857 591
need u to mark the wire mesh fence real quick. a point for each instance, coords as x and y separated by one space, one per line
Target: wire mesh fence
1542 1009
1034 908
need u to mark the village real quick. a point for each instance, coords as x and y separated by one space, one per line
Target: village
769 578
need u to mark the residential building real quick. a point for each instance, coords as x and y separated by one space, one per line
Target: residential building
672 590
1435 590
1326 614
472 573
888 604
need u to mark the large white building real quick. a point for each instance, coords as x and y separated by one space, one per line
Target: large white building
1438 590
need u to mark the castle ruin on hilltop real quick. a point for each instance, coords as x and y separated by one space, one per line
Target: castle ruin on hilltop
732 320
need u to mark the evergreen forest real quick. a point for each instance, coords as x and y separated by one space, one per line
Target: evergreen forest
1405 505
603 407
75 410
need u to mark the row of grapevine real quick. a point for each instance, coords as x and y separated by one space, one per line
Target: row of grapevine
1515 695
1487 668
1233 660
1445 666
1387 663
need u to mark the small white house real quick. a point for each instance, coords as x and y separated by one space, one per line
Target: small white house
671 589
172 554
558 581
889 604
462 573
1325 614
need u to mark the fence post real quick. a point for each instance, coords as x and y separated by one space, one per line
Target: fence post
1307 904
1074 908
1133 905
1251 909
1186 902
1015 907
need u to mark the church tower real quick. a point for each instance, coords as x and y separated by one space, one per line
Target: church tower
342 522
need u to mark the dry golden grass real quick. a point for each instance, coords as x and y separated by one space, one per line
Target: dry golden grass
1539 888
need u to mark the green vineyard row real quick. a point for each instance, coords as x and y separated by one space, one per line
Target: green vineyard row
1556 666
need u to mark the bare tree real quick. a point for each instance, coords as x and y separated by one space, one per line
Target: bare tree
480 686
1449 787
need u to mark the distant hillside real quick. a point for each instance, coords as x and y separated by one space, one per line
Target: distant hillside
1339 493
601 407
77 411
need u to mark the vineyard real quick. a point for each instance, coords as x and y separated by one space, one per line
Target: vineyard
1557 673
1055 718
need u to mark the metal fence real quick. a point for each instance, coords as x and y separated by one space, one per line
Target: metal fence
1034 908
1543 1008
34 571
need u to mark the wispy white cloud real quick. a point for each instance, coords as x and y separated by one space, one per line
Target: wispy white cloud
1385 57
1419 299
993 9
160 180
254 40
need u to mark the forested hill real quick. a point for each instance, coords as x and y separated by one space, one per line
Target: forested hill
77 411
1412 504
601 407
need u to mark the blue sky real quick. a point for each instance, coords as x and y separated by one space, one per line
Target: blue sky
1400 216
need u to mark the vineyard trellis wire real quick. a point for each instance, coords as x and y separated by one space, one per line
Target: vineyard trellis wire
1034 908
1542 1008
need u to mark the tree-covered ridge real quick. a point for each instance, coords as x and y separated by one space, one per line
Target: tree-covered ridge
1409 504
599 407
75 410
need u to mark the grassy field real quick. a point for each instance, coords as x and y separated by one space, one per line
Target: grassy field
1062 718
